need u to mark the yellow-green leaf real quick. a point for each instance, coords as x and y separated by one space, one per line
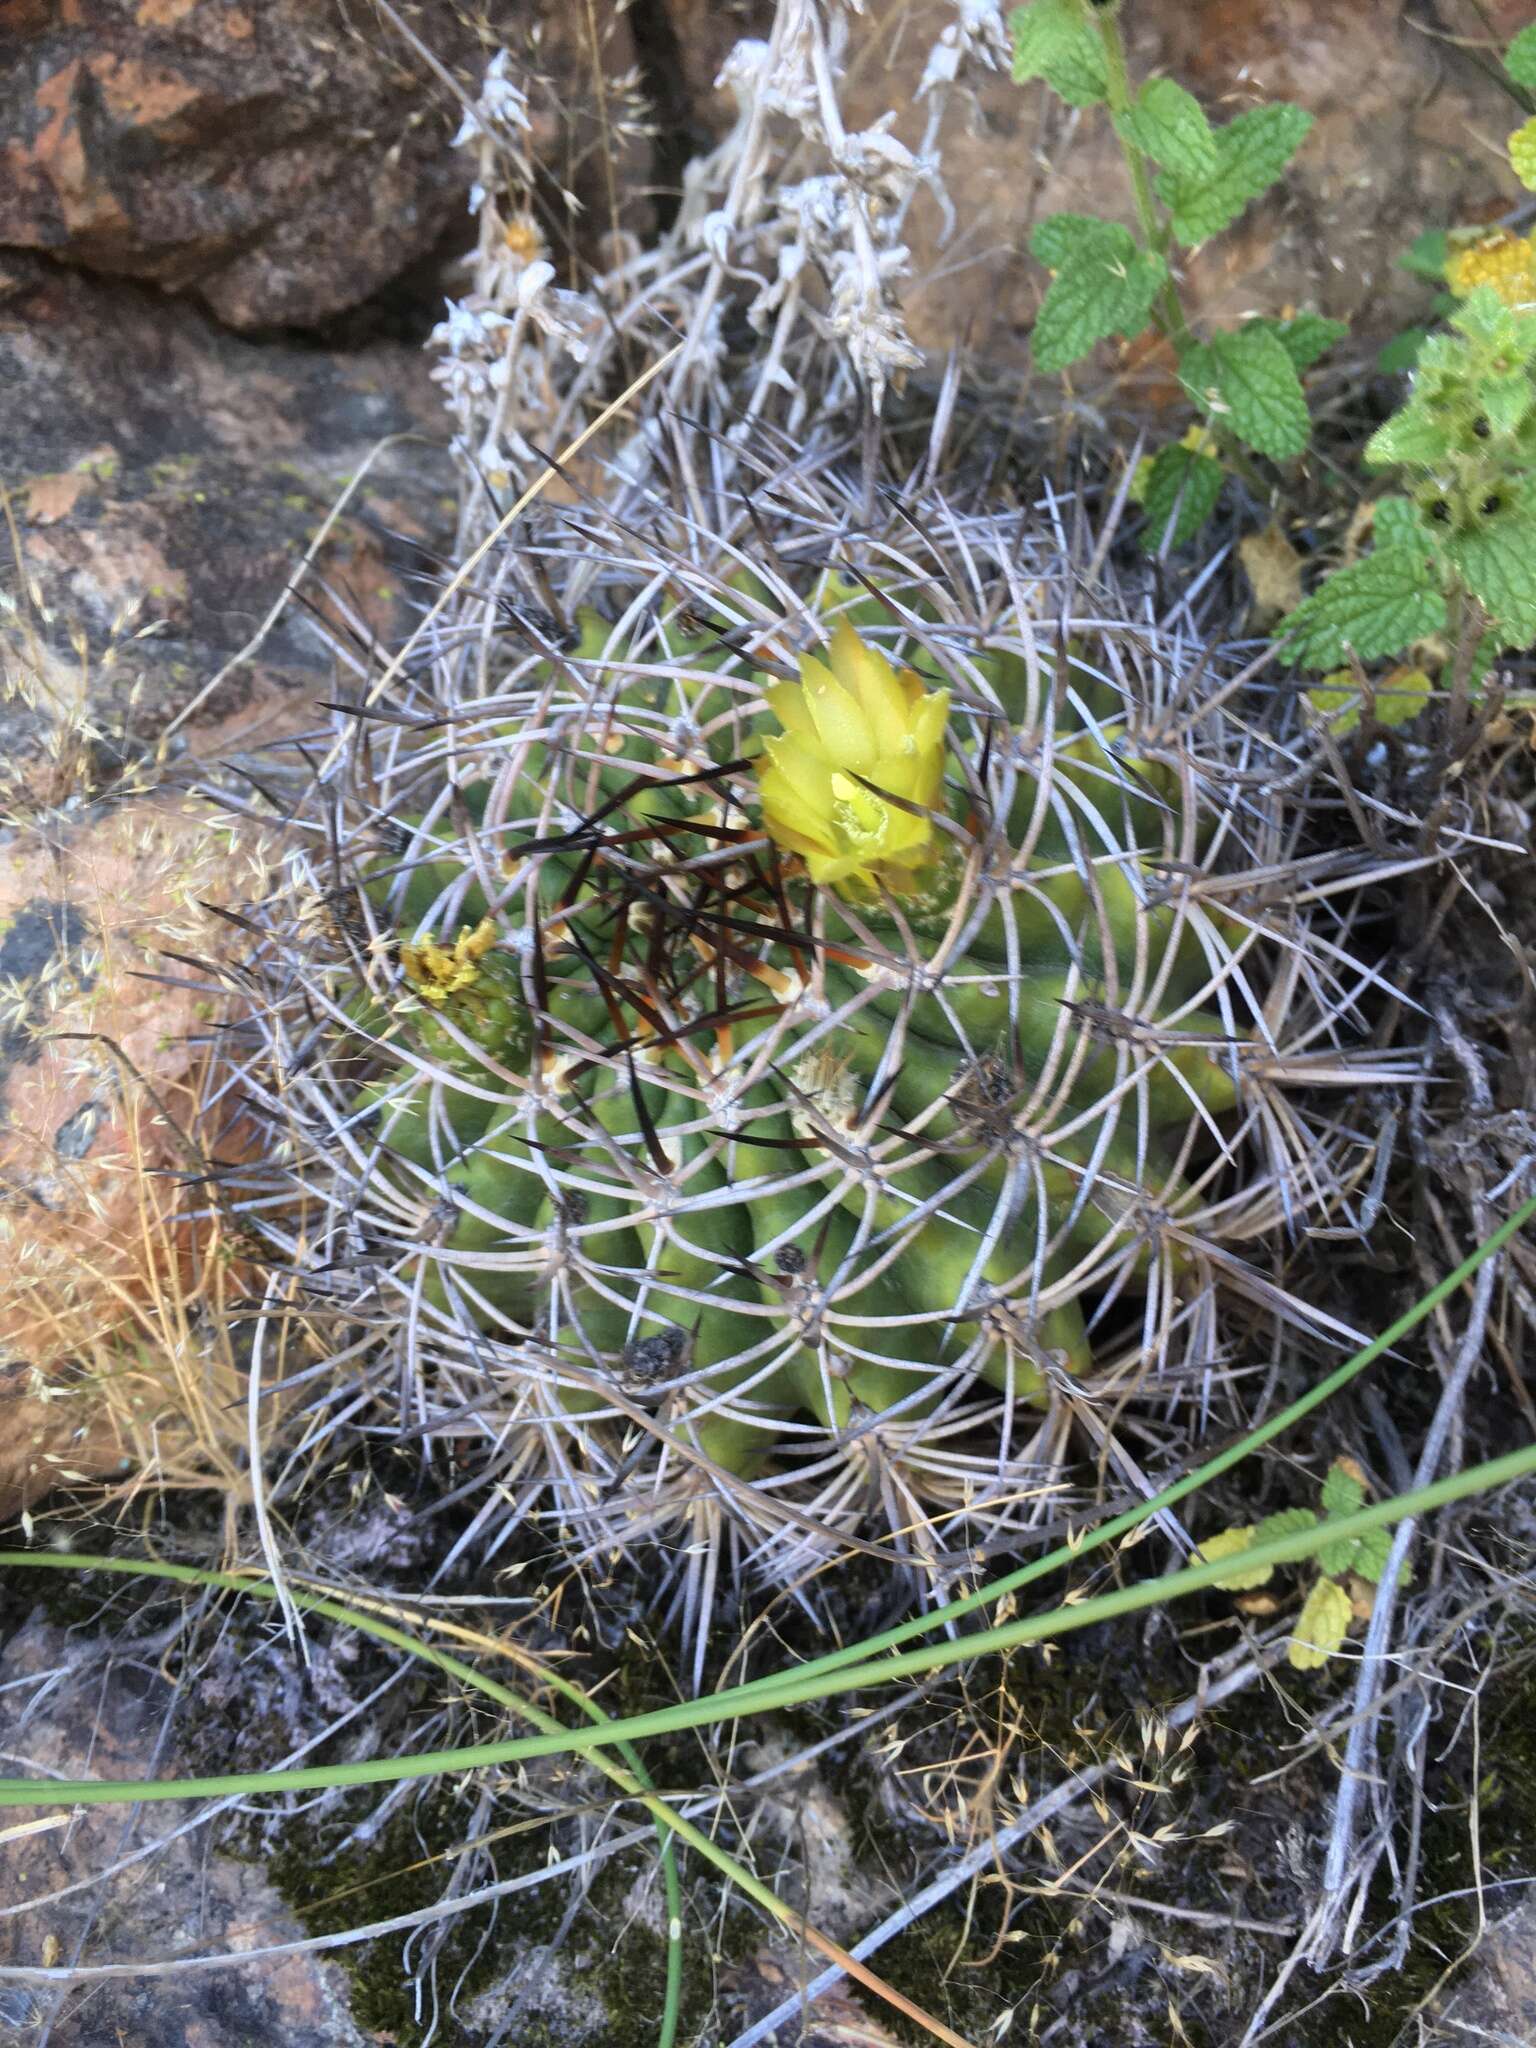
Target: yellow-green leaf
1323 1625
1342 1490
1522 153
1232 1543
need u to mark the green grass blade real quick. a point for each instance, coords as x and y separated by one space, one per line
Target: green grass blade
1122 1524
762 1696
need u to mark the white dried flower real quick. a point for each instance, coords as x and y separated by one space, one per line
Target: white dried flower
883 168
863 316
470 329
501 112
978 35
744 70
565 317
713 232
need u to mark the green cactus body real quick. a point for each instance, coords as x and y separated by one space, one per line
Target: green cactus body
825 1043
736 1090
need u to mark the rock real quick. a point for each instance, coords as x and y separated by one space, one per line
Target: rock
70 1704
161 464
103 1364
281 159
276 158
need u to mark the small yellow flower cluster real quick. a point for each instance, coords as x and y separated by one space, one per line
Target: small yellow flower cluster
435 973
854 727
1506 261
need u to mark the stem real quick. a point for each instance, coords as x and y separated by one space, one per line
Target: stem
1168 313
1169 317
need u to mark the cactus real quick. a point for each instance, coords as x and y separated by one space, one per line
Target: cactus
796 1037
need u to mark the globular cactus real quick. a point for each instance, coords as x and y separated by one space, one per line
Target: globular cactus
803 1028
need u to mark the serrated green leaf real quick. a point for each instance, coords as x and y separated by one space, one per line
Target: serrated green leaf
1342 1491
1251 152
1419 435
1507 400
1051 40
1371 1558
1520 58
1322 1626
1522 153
1505 331
1260 392
1104 284
1181 485
1496 559
1169 124
1197 373
1377 606
1232 1543
1401 352
1396 522
1304 338
1338 1555
1425 256
1064 238
1286 1522
1397 700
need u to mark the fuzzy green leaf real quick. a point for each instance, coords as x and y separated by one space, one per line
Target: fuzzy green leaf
1507 400
1522 153
1338 1555
1375 607
1169 124
1287 1522
1323 1625
1396 522
1342 1491
1251 153
1051 40
1179 478
1232 1543
1256 389
1419 435
1062 239
1104 284
1520 58
1371 1558
1496 559
1304 338
1482 316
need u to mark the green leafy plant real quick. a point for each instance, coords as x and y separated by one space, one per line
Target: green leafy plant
1189 181
1331 1603
1453 562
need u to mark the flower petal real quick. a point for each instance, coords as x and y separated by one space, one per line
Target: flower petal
840 724
787 703
864 671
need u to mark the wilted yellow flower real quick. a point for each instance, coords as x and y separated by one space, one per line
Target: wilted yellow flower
1506 261
854 716
436 973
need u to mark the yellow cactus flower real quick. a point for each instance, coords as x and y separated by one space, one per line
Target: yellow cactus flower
436 973
853 727
1506 261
